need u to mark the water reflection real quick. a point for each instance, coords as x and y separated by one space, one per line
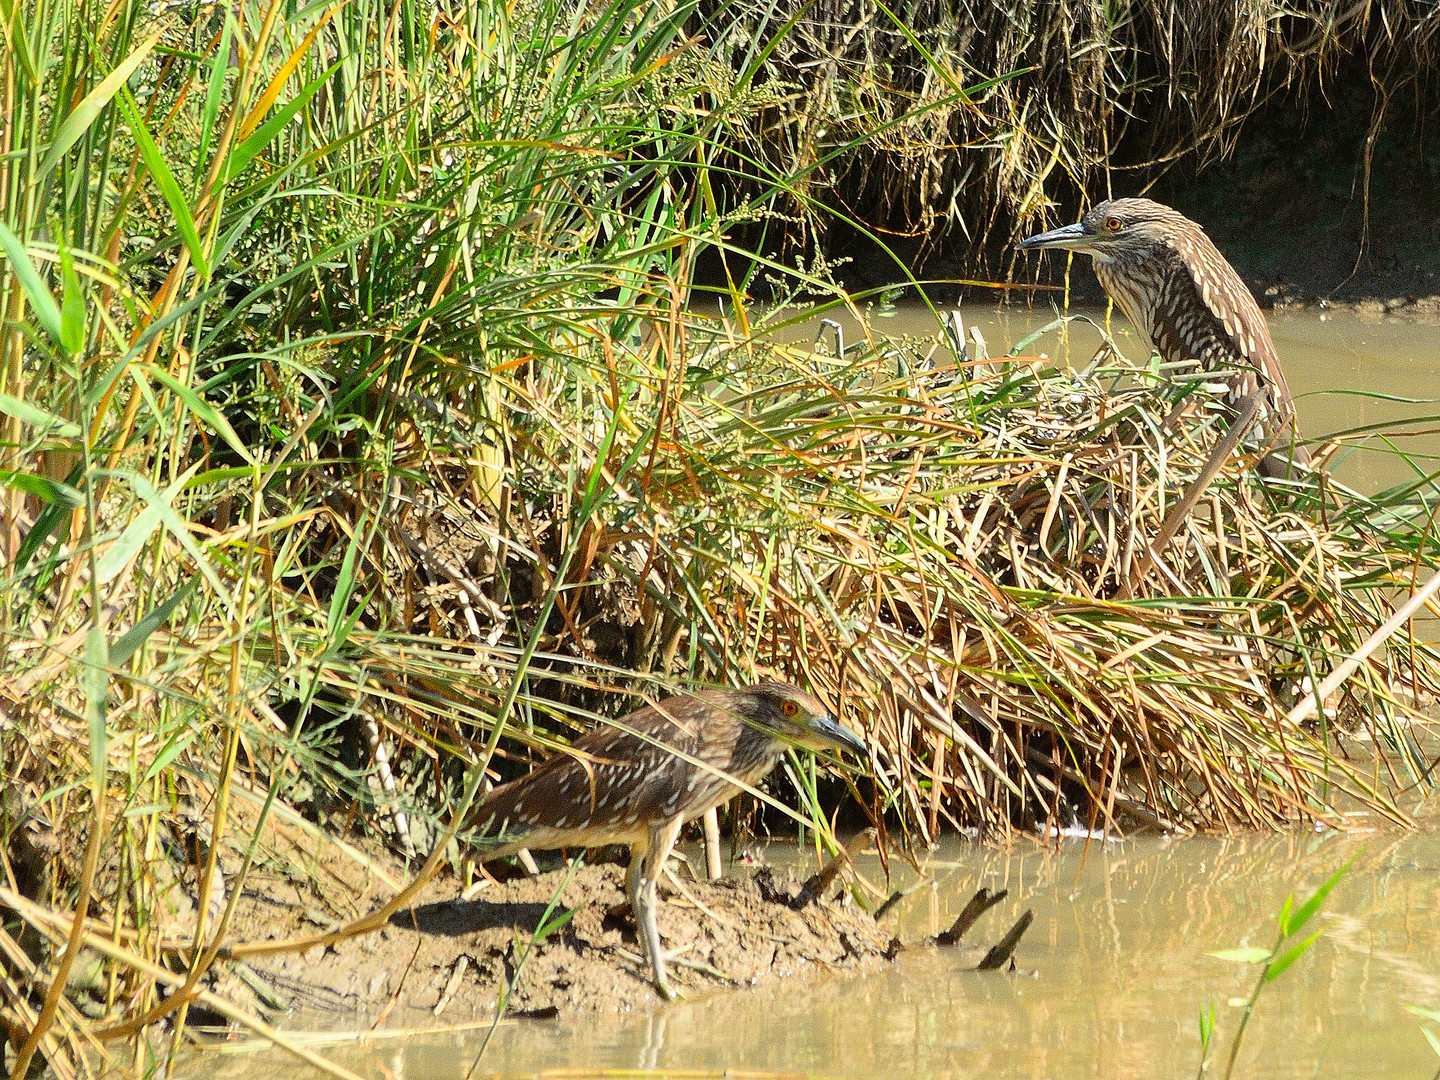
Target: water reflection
1119 970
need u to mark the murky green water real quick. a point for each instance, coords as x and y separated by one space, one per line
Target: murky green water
1118 964
1344 369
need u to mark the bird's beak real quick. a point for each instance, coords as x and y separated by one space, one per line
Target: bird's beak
828 732
1072 237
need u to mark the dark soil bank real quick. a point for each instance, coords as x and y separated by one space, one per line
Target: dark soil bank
732 932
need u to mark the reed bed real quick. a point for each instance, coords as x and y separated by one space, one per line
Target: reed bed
364 432
963 557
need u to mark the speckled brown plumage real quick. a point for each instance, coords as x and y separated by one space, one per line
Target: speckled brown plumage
1181 294
637 780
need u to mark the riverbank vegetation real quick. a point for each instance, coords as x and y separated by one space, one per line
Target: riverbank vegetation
1325 101
364 427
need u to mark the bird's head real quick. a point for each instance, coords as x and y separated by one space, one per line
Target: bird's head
787 712
1116 230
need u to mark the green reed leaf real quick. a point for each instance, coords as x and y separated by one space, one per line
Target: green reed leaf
1289 956
42 487
128 643
165 181
265 134
72 307
1306 910
90 107
47 312
44 420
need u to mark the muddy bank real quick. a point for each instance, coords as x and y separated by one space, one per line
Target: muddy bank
453 956
1312 206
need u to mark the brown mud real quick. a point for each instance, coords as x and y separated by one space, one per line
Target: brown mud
447 959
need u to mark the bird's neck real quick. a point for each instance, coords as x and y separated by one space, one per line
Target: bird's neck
1128 295
1132 282
756 753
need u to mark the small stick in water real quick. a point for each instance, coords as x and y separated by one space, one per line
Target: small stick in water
1002 950
815 887
899 894
980 903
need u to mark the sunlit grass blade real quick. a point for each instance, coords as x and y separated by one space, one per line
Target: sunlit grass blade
165 182
44 421
41 302
85 113
276 85
214 92
265 133
1303 914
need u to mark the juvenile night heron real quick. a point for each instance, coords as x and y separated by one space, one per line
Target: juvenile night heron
1179 292
639 781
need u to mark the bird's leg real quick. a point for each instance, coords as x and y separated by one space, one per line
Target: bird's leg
632 883
657 851
632 874
713 866
1223 449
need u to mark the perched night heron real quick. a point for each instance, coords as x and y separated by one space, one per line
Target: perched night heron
638 781
1181 294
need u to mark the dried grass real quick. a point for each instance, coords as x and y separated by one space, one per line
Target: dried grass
938 122
961 562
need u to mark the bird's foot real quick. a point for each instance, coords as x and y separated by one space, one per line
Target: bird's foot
661 977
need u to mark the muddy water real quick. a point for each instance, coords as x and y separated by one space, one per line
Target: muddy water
1114 970
1341 367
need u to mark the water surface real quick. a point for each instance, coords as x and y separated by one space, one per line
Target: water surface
1114 971
1345 370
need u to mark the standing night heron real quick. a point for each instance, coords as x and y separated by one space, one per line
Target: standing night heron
638 781
1181 295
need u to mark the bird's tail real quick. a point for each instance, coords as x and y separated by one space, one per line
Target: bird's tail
498 844
494 828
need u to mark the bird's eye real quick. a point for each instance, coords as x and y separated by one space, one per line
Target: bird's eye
789 708
1114 224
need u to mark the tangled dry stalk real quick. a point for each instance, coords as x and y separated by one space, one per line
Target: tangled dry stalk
956 556
966 560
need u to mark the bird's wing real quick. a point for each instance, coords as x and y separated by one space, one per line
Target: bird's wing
687 729
1231 302
608 780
